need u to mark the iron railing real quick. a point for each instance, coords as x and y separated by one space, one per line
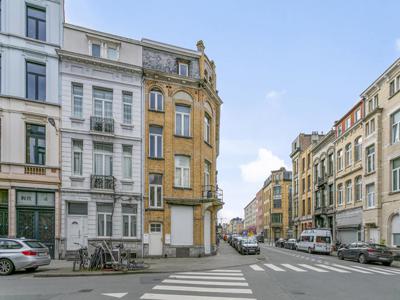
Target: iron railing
102 182
213 192
100 124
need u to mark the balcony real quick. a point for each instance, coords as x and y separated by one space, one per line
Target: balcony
322 180
103 125
212 193
102 182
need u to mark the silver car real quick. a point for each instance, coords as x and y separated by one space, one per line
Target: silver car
19 254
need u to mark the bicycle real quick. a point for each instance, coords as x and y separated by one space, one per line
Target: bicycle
82 260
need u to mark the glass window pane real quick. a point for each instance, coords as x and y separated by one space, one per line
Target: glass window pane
100 224
178 124
95 50
186 125
41 88
31 86
133 226
41 31
31 30
396 163
160 100
152 196
183 109
125 225
109 225
152 146
77 209
159 196
156 130
152 100
159 146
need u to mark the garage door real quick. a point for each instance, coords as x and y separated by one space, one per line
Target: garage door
181 225
347 236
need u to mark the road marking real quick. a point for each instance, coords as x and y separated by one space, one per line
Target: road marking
115 295
227 271
333 269
257 268
375 271
148 296
273 267
202 289
210 273
207 277
217 283
386 270
293 268
313 268
352 269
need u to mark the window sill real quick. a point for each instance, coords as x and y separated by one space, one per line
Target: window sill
157 111
208 144
393 193
77 120
77 178
127 181
397 92
369 173
183 136
127 126
155 209
182 188
155 158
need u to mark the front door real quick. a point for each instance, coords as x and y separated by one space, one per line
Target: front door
155 239
76 232
207 232
3 222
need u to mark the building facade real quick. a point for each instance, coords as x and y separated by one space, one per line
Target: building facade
250 216
30 34
101 133
260 213
381 145
349 175
182 113
323 154
277 195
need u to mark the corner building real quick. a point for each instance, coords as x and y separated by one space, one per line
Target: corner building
182 113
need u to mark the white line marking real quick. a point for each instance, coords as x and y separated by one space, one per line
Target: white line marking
386 270
333 269
273 267
293 268
313 268
207 277
149 296
210 273
257 268
115 295
216 283
375 271
351 269
227 271
202 289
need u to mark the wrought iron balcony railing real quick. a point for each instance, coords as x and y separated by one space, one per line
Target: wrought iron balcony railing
102 182
100 124
213 192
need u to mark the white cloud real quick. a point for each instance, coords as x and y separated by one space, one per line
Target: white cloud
275 97
258 170
398 44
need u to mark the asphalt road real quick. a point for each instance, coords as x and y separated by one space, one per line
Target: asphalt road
280 274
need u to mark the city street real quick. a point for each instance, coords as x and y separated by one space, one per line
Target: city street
279 274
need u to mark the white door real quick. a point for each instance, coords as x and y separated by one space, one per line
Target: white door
76 232
181 225
155 239
374 235
207 232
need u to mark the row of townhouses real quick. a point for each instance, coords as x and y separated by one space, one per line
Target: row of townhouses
104 137
348 179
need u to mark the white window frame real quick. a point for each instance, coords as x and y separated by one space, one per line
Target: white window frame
370 196
158 96
181 64
127 155
182 115
357 115
75 98
348 155
370 159
127 105
340 160
395 174
130 217
395 128
349 192
179 181
79 152
103 102
158 138
207 128
348 123
358 188
104 217
158 188
116 48
340 194
104 155
358 149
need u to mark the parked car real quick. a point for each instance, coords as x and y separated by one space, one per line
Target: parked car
260 238
315 240
366 252
290 244
236 242
280 242
248 246
19 254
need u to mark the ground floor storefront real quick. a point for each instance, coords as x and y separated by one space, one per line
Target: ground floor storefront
349 226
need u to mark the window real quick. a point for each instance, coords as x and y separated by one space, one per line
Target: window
96 50
396 175
348 123
11 245
358 189
156 142
349 192
331 194
103 103
77 151
207 175
370 127
155 227
357 115
104 219
35 81
276 218
373 103
303 185
308 205
358 149
370 159
309 183
127 161
182 171
35 144
155 191
207 128
183 69
77 100
156 101
36 23
330 164
129 220
318 199
348 153
182 120
339 130
308 161
394 86
370 195
112 53
78 209
340 194
395 123
340 160
103 162
127 109
303 164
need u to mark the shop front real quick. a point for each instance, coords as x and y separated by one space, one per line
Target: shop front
3 213
349 226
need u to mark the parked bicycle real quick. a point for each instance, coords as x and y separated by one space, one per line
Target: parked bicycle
82 261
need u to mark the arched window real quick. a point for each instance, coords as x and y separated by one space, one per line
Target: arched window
349 192
156 100
358 149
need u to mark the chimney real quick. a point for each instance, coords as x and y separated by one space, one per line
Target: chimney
200 46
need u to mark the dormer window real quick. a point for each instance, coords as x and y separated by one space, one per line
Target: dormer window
112 53
96 50
103 49
183 69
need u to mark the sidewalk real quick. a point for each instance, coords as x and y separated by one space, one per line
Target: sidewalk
227 257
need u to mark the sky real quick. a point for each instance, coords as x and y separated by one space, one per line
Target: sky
283 67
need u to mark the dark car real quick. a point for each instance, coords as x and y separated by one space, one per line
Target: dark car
260 238
290 244
248 246
366 252
236 242
280 242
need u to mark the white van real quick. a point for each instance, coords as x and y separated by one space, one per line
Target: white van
315 240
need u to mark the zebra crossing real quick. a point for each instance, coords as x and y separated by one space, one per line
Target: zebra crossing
205 285
325 268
